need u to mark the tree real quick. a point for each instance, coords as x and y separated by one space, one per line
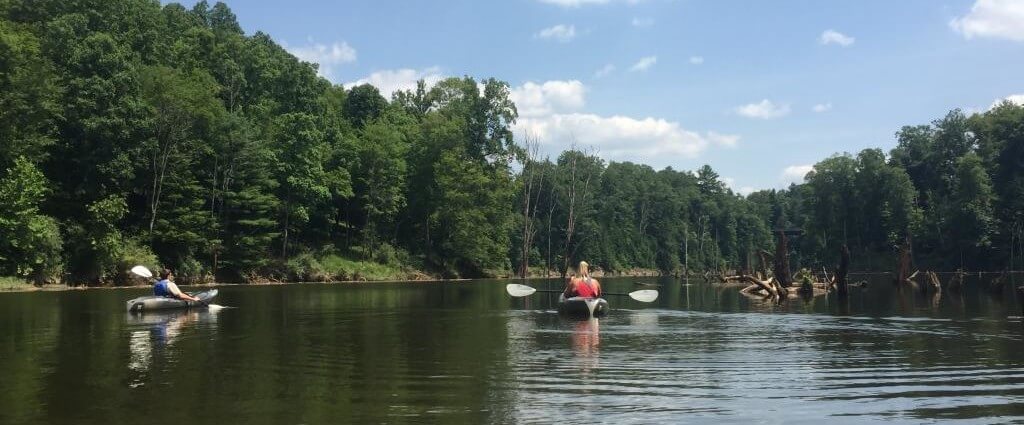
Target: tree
531 183
300 151
363 104
183 105
30 243
971 221
28 96
474 225
380 177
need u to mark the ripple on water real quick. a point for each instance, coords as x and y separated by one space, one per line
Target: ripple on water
718 366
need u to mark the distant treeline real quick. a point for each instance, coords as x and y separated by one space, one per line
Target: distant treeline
132 132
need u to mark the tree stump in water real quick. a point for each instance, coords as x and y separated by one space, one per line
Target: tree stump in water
997 284
782 275
903 275
957 283
844 266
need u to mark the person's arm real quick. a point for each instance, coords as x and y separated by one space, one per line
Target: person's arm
177 292
570 287
597 285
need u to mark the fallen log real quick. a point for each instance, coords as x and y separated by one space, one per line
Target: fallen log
933 283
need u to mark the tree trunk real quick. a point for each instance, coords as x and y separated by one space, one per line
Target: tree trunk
903 272
844 267
781 272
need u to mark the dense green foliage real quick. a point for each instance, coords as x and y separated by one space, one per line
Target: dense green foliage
132 132
953 187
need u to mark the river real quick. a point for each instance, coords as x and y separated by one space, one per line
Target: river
467 353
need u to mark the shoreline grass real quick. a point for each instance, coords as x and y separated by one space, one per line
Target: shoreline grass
10 283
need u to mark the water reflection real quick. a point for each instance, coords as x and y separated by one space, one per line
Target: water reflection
586 341
152 336
467 354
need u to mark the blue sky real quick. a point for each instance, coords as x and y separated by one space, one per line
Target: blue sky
758 90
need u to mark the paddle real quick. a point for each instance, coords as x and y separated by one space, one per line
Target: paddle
517 290
144 272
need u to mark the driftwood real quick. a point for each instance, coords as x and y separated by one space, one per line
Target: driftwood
769 287
765 257
933 279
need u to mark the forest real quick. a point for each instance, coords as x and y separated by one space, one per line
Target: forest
138 133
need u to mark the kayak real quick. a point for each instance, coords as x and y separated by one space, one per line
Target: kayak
154 302
582 307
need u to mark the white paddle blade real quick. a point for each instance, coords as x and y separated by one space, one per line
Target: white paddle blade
517 290
142 271
644 295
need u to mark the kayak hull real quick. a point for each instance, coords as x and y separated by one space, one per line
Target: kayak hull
584 308
153 302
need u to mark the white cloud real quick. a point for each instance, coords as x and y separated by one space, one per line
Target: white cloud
731 183
644 63
822 107
391 80
560 32
551 97
764 109
696 60
795 173
328 57
552 112
643 140
642 22
1016 99
605 70
728 140
992 18
835 37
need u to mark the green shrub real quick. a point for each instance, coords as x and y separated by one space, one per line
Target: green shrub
191 272
131 253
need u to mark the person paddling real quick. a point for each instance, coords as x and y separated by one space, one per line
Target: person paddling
166 288
583 286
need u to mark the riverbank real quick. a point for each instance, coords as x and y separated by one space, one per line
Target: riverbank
377 274
17 284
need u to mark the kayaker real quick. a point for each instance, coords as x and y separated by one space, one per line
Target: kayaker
166 288
584 285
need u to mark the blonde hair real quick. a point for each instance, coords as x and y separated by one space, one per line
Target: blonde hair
584 269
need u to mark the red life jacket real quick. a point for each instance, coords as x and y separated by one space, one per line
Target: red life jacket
585 288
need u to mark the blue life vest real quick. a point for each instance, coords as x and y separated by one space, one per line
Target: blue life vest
161 289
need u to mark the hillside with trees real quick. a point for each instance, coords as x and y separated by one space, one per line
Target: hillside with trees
135 133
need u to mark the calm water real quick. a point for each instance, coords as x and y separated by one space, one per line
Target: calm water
466 353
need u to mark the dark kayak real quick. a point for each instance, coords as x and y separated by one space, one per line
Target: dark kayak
153 302
584 308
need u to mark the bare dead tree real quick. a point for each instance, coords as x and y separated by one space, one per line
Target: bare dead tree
576 193
781 272
533 180
903 273
844 268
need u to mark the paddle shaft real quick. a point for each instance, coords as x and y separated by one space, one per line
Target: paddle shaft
556 291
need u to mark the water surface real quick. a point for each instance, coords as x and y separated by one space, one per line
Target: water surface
467 353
